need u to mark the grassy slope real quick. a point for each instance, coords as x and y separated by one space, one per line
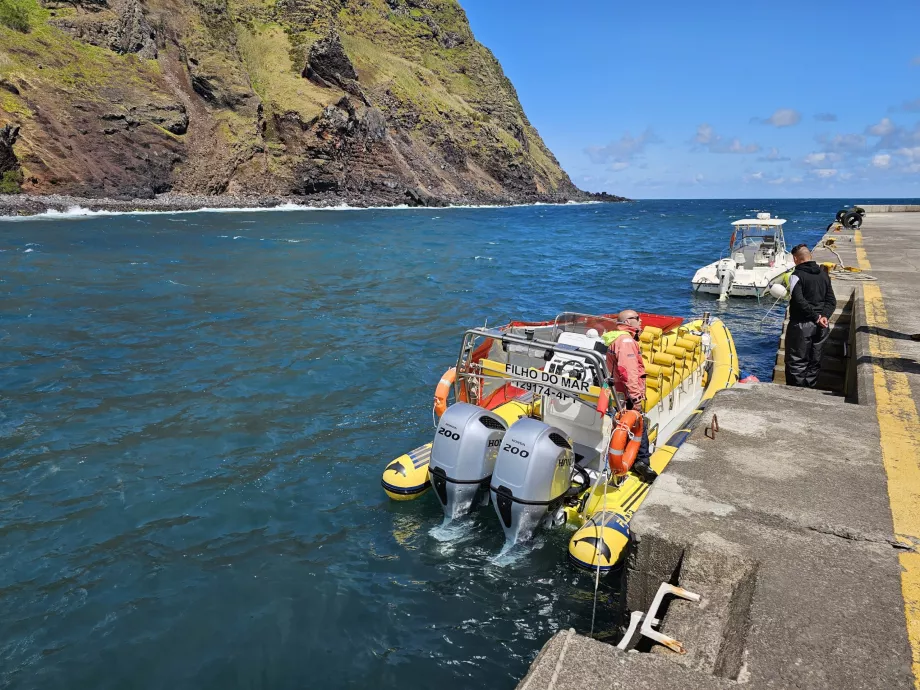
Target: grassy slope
439 91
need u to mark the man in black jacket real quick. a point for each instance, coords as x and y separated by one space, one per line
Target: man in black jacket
811 304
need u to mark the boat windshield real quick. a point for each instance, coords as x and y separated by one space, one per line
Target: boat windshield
753 236
572 322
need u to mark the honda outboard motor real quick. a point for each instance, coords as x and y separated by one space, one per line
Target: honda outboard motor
463 457
533 474
726 274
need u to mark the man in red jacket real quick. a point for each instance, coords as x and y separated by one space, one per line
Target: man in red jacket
624 359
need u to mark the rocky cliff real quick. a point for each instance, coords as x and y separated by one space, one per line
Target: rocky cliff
369 101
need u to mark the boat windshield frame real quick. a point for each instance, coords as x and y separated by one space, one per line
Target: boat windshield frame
761 232
469 373
566 319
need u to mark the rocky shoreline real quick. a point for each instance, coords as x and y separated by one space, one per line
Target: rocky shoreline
32 204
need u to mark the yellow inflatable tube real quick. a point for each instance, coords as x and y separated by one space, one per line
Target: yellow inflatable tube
601 542
406 477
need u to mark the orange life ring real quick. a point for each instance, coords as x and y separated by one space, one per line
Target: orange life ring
443 390
625 442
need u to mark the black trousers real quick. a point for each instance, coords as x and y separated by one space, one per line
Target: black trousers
804 345
643 457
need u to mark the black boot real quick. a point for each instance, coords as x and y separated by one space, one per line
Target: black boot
645 472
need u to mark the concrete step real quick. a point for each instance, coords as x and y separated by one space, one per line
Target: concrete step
840 331
827 380
828 362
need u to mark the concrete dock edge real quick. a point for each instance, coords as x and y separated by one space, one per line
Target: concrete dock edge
798 523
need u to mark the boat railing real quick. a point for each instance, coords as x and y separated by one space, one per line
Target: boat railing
530 350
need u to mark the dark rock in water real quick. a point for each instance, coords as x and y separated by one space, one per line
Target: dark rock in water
604 196
328 63
417 197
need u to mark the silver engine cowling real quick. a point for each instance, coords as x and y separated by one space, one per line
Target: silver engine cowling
463 457
532 477
725 271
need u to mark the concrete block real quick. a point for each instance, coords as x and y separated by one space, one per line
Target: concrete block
570 660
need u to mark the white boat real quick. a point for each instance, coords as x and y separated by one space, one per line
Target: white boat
757 259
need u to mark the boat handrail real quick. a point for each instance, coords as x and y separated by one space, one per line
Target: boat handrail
592 357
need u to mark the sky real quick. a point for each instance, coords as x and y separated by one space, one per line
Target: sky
718 98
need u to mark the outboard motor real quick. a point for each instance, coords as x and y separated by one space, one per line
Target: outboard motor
532 478
463 457
726 274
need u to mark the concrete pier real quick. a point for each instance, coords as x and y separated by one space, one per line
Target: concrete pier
797 521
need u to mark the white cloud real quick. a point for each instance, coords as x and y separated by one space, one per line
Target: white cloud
826 117
773 156
844 143
909 106
892 136
715 143
704 134
912 154
825 173
884 128
882 160
777 180
624 150
784 117
820 158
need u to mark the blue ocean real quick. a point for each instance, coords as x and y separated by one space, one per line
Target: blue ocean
196 408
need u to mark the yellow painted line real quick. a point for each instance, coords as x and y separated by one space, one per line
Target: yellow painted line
899 425
862 259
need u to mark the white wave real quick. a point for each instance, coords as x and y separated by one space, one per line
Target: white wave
77 212
509 555
484 258
451 530
28 250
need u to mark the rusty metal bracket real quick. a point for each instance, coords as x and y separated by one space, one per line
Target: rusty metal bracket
651 620
713 428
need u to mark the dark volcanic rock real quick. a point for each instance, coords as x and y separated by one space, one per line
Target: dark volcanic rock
374 125
417 197
119 25
328 63
212 109
8 136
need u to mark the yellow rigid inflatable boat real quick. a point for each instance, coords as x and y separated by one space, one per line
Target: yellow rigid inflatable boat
532 428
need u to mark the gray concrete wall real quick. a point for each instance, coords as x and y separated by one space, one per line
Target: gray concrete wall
890 208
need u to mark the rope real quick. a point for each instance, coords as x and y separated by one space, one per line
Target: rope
845 274
599 532
842 271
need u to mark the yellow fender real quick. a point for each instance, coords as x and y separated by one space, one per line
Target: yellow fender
406 477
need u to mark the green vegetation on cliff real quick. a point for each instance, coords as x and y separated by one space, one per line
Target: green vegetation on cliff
357 99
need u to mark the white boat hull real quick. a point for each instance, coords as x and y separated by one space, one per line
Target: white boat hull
744 283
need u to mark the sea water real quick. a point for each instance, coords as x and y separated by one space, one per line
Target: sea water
196 409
